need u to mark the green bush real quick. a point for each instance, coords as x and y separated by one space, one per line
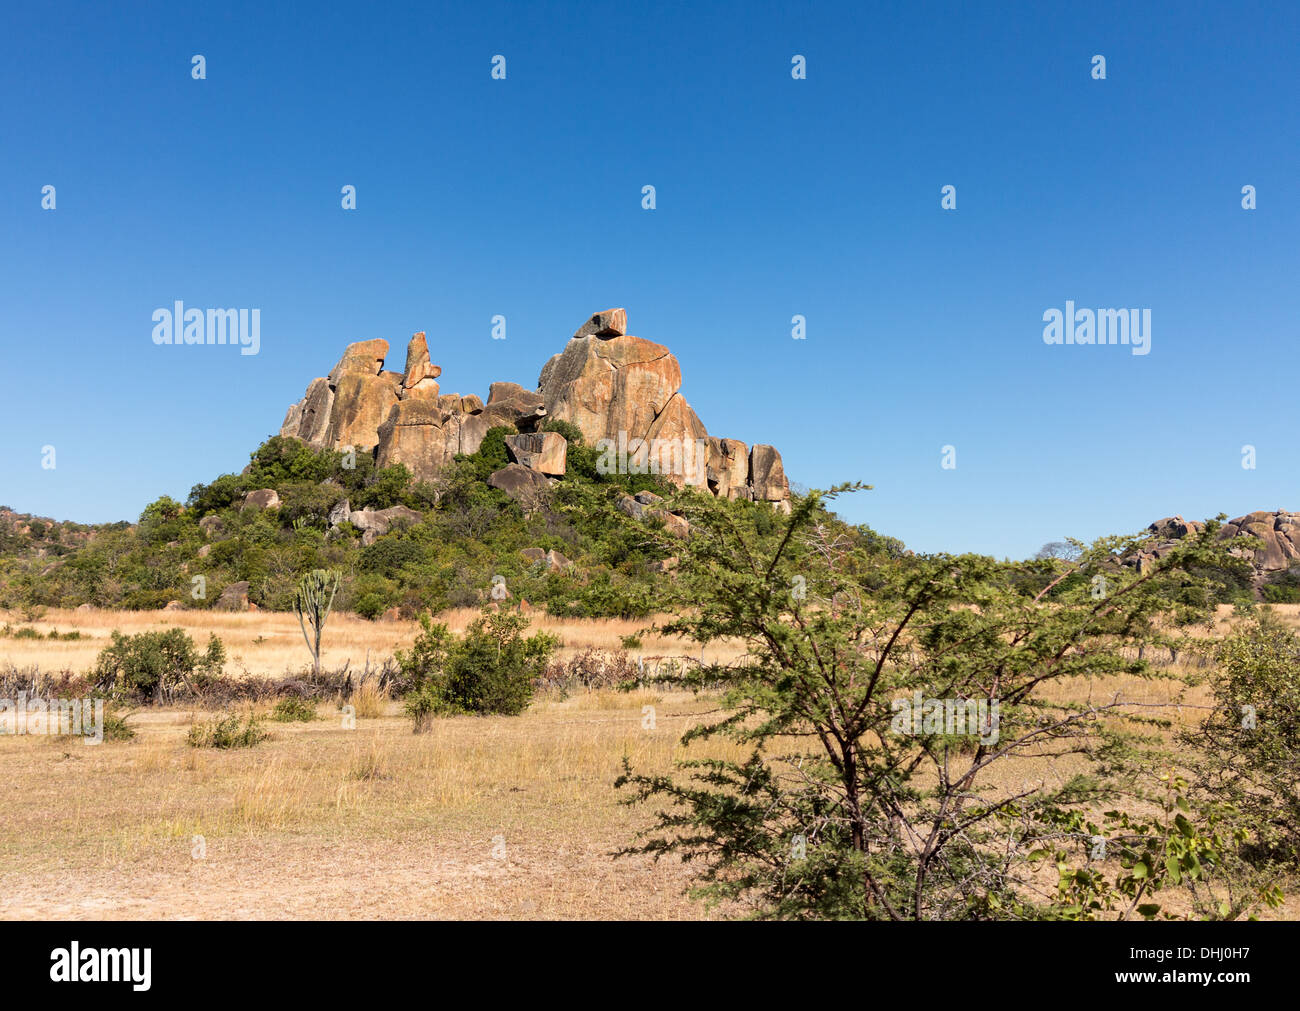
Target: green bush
226 732
152 665
115 727
370 605
293 710
1250 742
491 670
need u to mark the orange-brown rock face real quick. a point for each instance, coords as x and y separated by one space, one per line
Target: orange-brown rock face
361 405
413 435
613 386
728 468
420 378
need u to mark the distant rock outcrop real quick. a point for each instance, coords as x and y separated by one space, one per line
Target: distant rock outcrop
622 392
1278 533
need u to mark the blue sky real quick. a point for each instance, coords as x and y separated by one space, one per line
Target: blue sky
775 197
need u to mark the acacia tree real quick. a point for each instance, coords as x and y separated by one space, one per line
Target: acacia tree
842 808
1251 741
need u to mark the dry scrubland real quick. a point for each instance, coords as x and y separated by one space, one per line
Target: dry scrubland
484 817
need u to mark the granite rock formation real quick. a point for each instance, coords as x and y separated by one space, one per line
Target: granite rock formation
622 392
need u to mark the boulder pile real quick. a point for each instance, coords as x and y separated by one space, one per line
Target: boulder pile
1277 532
623 393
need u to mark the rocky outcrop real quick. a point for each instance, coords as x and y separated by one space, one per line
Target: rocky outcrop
420 380
622 392
347 407
1277 534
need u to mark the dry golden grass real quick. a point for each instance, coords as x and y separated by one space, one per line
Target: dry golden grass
481 818
268 643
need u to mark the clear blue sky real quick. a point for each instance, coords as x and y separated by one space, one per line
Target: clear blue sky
820 197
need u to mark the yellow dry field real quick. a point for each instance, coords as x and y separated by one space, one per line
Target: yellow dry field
270 644
488 817
483 817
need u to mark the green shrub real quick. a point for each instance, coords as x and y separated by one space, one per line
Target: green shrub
115 727
1250 742
153 665
370 605
572 433
491 670
226 732
293 710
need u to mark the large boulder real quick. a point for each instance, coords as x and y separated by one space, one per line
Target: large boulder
645 505
728 468
413 435
767 474
361 404
540 451
347 407
263 498
609 323
1276 548
212 527
374 523
341 513
234 597
557 562
605 387
1174 527
363 358
527 487
625 389
524 407
420 381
